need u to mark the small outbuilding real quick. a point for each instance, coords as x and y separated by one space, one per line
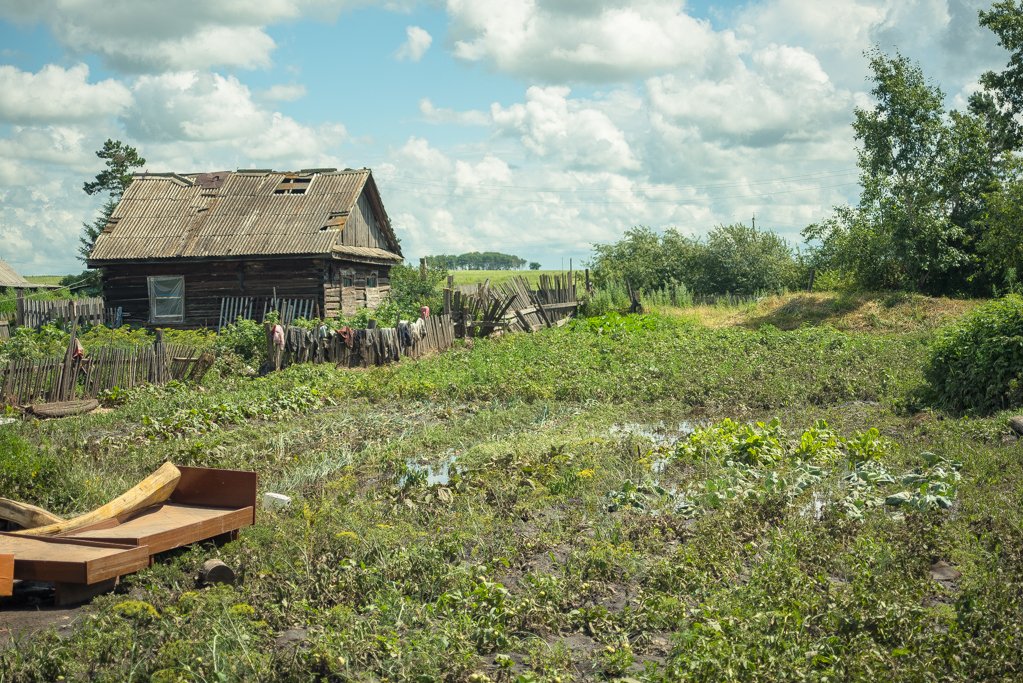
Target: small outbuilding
191 250
10 279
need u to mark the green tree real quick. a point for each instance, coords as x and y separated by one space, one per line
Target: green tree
120 160
743 260
923 174
1002 97
534 265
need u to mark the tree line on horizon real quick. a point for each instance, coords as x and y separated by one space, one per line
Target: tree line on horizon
476 260
940 208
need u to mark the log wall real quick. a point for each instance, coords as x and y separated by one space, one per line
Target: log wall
207 282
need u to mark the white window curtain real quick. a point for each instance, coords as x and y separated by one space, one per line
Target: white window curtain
166 299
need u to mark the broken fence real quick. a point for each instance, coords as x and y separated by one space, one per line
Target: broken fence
513 306
51 380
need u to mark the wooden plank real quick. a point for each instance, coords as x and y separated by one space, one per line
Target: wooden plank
6 574
168 526
154 489
216 487
71 560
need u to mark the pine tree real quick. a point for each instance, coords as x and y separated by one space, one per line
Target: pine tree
120 160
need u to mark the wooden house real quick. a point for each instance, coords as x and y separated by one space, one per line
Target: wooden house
180 250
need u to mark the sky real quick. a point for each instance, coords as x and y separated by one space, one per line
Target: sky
531 127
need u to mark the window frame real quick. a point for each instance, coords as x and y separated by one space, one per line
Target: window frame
374 278
154 298
348 278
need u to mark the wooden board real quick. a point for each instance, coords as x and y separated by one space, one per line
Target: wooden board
6 574
39 558
167 526
216 488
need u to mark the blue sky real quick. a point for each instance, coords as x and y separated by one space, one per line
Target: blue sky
535 127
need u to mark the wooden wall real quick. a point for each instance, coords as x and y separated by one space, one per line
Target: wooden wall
362 229
348 300
208 281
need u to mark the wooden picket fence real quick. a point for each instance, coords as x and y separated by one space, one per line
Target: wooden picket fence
257 308
35 313
51 380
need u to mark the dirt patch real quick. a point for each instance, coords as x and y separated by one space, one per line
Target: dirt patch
23 615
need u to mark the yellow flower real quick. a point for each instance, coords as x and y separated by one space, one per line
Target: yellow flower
586 474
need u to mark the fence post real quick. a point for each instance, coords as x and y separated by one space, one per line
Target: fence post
159 359
19 315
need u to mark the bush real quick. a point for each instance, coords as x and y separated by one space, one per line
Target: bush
246 338
25 474
977 364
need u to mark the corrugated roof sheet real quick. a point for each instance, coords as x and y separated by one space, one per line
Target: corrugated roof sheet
9 278
366 252
169 216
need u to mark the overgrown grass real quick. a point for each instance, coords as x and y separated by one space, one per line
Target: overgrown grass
539 507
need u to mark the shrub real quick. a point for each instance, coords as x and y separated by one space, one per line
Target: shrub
977 364
245 338
25 474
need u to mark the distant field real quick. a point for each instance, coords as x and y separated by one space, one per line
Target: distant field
496 277
44 279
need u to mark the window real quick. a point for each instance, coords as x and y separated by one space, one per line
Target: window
166 299
371 279
293 184
348 278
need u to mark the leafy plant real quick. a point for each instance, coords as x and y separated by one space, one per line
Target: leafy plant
977 363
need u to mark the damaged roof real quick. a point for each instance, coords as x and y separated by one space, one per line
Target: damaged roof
246 213
10 278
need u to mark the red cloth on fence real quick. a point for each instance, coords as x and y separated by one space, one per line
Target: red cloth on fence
347 334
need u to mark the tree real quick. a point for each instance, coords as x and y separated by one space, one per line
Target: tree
120 160
923 174
534 265
1002 97
743 260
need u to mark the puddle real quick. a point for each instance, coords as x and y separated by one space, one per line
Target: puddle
659 433
815 508
435 474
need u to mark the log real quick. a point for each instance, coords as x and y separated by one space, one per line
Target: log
215 571
154 489
25 515
1016 424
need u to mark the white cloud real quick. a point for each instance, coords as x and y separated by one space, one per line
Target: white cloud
139 36
781 94
55 95
434 114
569 40
417 42
550 125
284 92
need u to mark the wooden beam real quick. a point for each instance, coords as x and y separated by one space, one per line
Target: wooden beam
154 489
